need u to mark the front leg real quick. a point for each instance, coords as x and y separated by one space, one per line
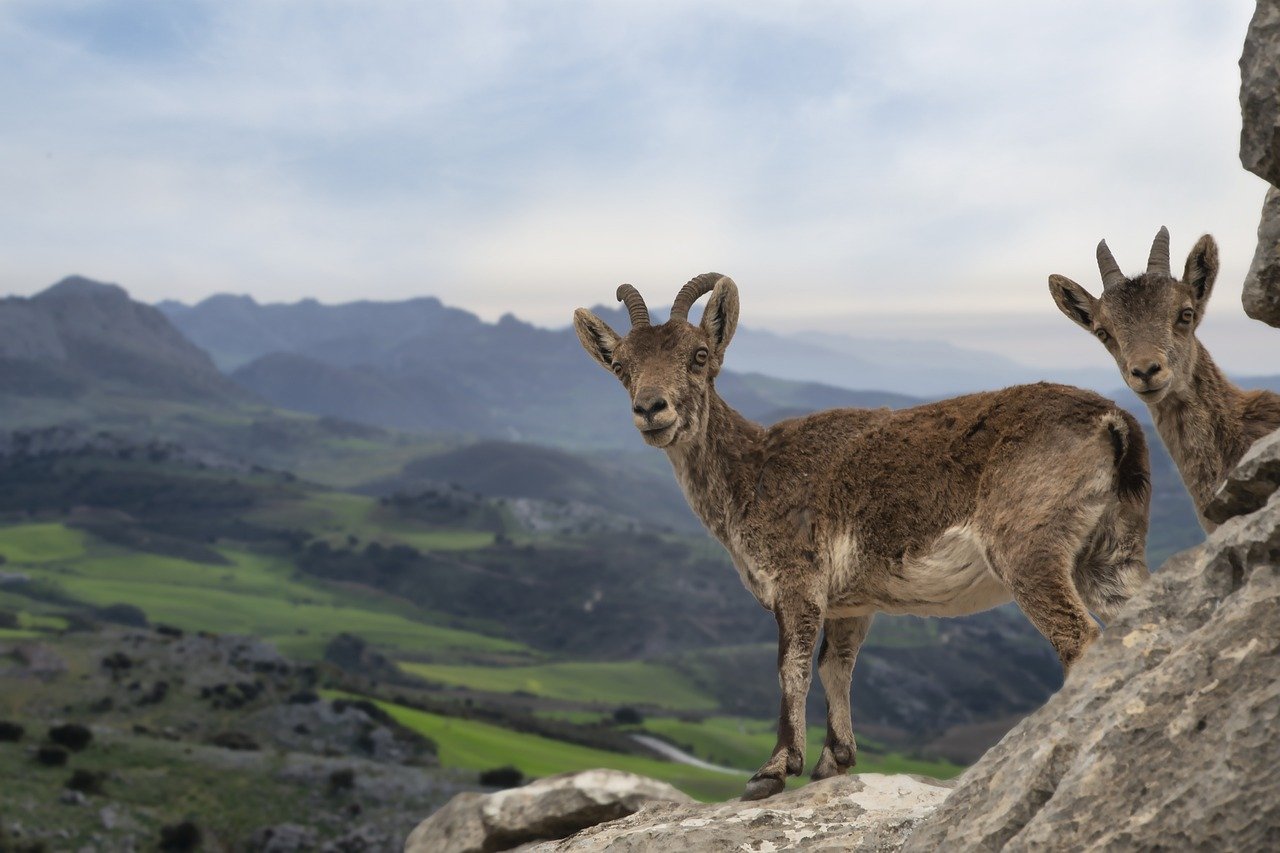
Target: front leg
799 617
841 639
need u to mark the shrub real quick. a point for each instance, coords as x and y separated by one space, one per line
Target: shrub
51 756
627 716
234 740
86 781
73 736
342 780
180 837
501 777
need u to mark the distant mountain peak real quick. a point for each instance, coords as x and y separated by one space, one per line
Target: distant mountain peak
227 300
80 287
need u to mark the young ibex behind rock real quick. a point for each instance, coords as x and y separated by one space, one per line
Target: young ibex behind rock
1036 493
1148 323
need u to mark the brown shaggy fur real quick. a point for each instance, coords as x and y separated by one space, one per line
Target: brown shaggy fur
1148 323
1036 494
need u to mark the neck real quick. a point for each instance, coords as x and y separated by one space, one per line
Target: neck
1200 424
718 467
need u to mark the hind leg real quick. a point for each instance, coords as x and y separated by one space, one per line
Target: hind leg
841 639
1039 576
1033 549
1113 566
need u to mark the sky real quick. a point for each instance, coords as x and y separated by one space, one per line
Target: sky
882 169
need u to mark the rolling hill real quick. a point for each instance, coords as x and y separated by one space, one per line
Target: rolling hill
80 336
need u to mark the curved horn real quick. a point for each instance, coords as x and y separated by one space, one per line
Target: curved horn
631 297
692 292
1111 275
1158 261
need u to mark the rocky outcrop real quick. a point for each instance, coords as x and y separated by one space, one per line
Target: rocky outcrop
1164 735
1260 154
867 812
1251 484
1260 94
1261 296
546 809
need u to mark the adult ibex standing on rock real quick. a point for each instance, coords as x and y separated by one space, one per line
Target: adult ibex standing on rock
1036 493
1148 323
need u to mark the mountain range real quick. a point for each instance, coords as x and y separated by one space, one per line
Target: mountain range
224 375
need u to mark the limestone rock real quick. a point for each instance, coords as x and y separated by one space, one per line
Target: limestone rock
1261 296
546 809
1163 737
1260 93
1248 487
865 812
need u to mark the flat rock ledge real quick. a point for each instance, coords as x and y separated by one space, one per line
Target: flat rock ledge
545 809
864 812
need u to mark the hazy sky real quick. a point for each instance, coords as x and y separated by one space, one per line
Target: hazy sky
846 162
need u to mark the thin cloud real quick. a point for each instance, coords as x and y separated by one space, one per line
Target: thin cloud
839 159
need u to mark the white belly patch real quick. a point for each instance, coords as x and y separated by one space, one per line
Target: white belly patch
953 578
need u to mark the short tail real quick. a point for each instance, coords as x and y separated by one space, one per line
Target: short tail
1133 471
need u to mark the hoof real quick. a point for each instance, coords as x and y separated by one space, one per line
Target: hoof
765 786
827 767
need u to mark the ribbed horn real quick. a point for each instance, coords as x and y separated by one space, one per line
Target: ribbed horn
692 292
1158 260
1111 275
631 297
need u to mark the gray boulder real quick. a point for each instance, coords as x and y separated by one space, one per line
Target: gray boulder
865 812
1261 295
1164 736
1260 93
546 809
1260 154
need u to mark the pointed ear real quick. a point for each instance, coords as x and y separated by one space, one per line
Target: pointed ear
720 319
1202 270
1074 301
597 338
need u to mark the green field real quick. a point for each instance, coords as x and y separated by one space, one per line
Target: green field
40 543
333 516
616 683
471 745
254 595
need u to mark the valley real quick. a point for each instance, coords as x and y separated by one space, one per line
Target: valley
492 569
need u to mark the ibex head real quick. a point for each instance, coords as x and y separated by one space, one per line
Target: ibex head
668 369
1148 322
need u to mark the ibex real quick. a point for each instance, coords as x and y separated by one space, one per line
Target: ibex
1036 493
1148 323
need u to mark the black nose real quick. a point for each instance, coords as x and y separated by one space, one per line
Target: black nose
1145 375
649 403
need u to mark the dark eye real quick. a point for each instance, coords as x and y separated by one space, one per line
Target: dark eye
617 369
1102 335
700 356
1186 316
